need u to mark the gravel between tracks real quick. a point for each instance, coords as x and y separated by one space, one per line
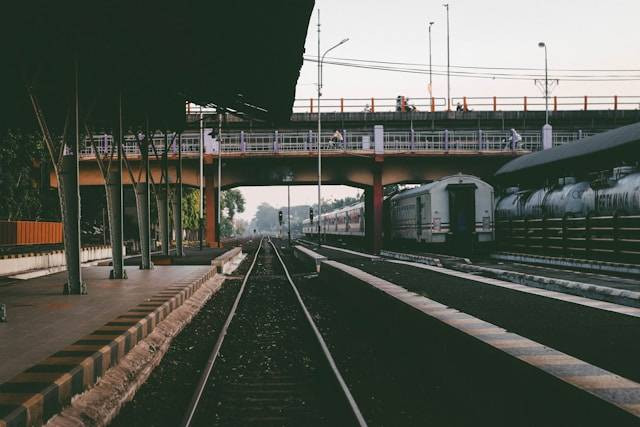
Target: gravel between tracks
270 370
163 399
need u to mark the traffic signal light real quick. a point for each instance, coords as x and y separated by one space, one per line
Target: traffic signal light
311 215
280 217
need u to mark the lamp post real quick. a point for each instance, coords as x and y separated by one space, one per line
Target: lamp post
446 5
546 81
430 71
319 138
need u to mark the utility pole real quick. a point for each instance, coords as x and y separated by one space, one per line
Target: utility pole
320 60
446 5
319 129
430 70
546 81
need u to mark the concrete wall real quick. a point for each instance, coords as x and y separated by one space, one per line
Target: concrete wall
47 260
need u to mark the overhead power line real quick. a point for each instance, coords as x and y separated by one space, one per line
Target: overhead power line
481 75
586 70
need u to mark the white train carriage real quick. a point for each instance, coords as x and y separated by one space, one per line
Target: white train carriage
348 221
455 210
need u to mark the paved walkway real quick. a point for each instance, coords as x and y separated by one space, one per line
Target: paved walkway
43 321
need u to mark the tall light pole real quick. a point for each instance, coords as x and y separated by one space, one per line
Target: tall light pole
446 5
546 81
319 138
430 71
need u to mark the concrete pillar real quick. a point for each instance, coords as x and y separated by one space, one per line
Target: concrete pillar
177 218
144 224
446 140
547 137
374 198
378 138
163 220
114 207
210 199
69 194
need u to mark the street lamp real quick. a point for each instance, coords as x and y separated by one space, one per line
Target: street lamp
430 72
320 60
546 81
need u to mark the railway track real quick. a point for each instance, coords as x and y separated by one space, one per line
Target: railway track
270 365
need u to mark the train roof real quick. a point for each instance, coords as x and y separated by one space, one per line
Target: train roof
437 183
345 208
593 153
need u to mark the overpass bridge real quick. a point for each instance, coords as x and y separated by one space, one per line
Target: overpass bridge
367 159
589 113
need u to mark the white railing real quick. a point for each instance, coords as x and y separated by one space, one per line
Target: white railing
294 142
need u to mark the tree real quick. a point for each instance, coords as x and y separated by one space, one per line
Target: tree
232 202
266 218
24 179
190 208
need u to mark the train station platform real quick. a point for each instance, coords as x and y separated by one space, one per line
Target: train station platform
55 346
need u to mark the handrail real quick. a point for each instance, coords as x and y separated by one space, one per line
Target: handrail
411 140
482 103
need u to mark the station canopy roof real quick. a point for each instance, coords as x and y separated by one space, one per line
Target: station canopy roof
241 55
596 153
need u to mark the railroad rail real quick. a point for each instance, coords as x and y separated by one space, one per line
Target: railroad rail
267 393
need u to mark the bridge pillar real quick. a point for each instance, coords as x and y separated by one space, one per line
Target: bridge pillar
212 218
373 200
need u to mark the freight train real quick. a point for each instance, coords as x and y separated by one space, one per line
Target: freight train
453 212
597 218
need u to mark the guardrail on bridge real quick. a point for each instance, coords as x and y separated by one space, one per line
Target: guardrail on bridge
418 141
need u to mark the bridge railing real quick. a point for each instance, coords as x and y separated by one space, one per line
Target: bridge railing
292 142
466 103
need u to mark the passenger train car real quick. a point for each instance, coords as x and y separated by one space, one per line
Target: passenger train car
348 221
455 210
597 218
452 211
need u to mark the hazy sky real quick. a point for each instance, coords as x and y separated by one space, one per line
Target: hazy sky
580 34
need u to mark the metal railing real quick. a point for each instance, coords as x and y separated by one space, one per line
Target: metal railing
359 141
463 103
537 103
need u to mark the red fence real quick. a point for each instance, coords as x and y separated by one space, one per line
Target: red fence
468 103
30 232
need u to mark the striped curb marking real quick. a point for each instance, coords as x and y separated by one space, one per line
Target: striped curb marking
33 396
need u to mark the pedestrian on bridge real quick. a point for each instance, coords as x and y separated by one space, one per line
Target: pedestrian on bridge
515 140
337 138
